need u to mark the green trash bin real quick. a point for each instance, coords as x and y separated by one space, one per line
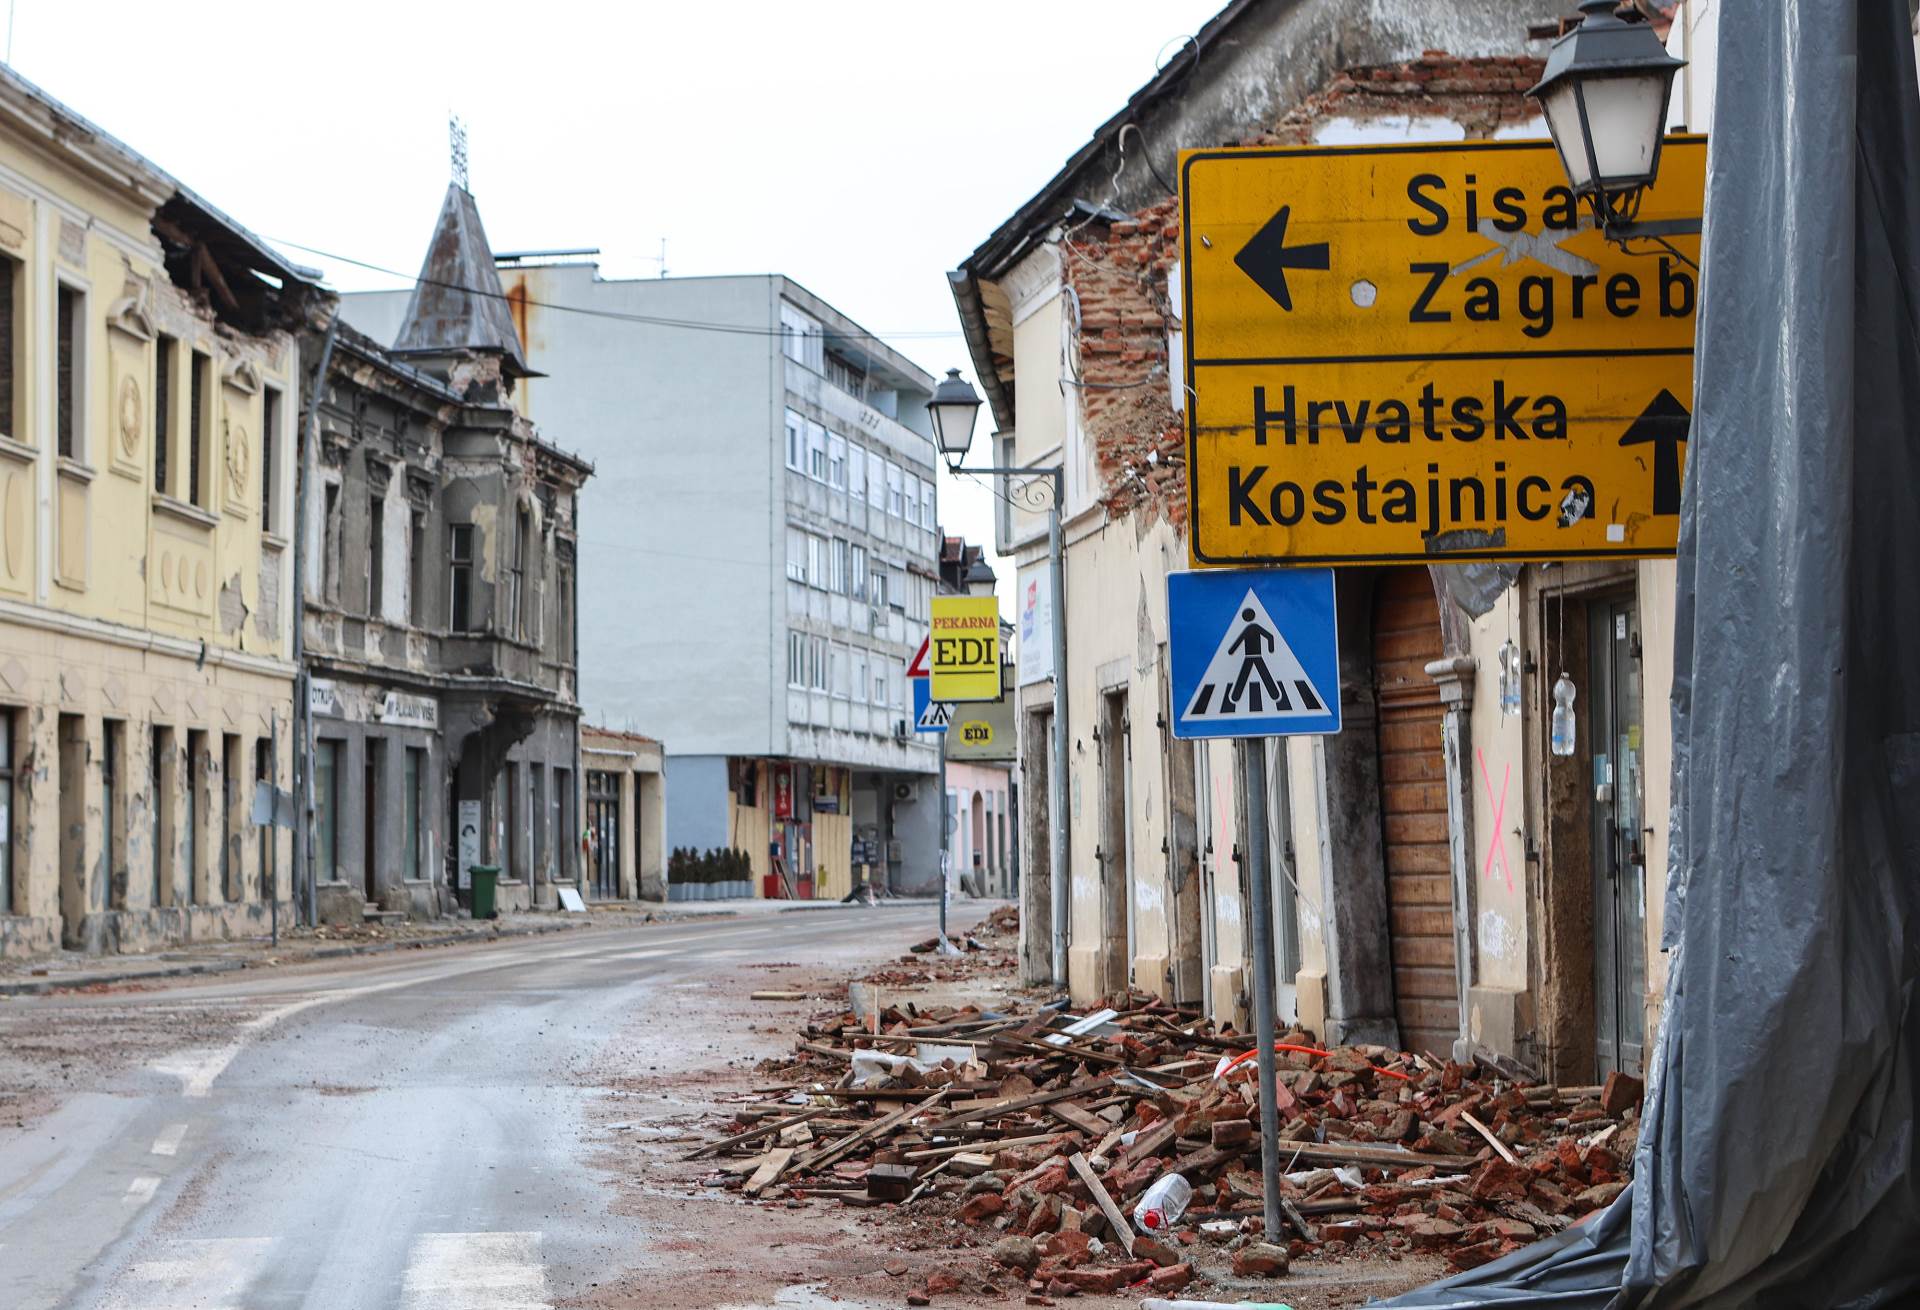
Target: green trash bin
486 881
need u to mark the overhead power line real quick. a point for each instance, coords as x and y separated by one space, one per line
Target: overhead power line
650 320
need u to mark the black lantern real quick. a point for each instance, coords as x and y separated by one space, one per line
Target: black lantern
1604 93
953 409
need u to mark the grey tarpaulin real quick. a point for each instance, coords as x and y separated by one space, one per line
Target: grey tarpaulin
1776 1165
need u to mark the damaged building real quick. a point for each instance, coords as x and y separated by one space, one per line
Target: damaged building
440 590
1442 878
149 388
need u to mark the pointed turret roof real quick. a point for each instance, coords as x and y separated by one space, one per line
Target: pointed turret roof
458 302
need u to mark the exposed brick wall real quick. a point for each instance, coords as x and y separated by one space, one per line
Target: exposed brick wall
1118 271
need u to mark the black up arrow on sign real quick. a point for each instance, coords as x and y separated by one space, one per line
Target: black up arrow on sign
1267 258
1662 424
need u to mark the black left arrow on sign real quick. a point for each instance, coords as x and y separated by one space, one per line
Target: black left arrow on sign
1664 424
1267 258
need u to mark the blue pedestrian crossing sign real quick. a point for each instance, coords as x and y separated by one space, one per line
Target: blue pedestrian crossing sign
1254 653
929 715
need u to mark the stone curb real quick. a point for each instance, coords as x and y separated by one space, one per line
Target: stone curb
74 982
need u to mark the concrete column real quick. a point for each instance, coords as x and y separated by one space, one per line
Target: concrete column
1454 676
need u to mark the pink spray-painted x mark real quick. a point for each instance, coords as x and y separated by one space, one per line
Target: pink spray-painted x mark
1497 848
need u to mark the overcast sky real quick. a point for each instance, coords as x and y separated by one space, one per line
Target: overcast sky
861 148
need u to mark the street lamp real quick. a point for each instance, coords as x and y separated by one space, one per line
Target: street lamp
1604 93
980 580
954 407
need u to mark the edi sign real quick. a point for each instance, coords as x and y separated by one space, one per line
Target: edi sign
964 648
1400 353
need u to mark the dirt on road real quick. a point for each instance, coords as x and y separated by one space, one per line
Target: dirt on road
668 1079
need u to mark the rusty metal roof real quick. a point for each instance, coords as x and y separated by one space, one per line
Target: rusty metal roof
458 302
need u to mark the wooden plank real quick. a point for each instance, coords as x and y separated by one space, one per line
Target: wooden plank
764 1130
1075 1117
989 1109
820 1159
1115 1220
772 1165
777 996
1500 1148
1373 1157
936 1152
1148 1143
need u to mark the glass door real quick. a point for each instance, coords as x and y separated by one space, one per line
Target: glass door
1619 839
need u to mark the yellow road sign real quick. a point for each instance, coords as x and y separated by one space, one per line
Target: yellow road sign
1426 352
964 648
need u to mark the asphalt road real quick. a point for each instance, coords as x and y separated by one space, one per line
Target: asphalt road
372 1133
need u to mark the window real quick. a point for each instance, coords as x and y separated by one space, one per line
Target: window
165 349
417 567
563 613
536 814
196 781
894 476
460 577
269 440
857 473
603 824
876 483
197 390
70 386
517 574
897 686
113 823
330 546
817 665
563 825
796 442
160 767
837 583
879 683
263 772
10 423
512 861
878 586
801 337
849 377
837 461
859 578
230 871
859 677
376 556
6 809
817 561
326 804
796 555
927 509
412 801
837 660
796 659
816 452
910 498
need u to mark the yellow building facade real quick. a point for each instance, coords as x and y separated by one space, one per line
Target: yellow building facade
149 394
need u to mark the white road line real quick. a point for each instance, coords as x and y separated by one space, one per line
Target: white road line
196 1069
475 1271
196 1275
168 1142
141 1189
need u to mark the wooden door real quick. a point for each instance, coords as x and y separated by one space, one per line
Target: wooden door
1413 809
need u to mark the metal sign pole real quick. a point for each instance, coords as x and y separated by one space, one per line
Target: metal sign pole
1259 893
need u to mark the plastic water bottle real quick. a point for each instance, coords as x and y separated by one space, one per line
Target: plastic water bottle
1563 715
1509 678
1163 1204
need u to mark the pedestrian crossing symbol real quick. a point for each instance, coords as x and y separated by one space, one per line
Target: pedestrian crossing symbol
1253 653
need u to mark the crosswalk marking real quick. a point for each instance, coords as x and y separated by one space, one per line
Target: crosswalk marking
475 1271
168 1142
141 1189
193 1275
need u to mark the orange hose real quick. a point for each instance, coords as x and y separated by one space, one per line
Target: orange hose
1303 1050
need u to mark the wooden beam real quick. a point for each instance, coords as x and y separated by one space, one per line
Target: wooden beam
772 1165
1115 1220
